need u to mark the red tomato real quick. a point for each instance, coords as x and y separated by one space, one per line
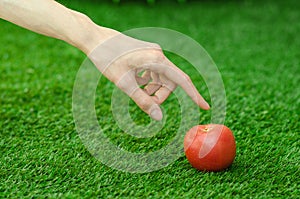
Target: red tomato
210 147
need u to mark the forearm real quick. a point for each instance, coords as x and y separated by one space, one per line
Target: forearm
50 18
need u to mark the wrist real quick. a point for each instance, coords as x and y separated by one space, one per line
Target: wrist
89 35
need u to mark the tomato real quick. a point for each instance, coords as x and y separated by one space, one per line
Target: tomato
210 147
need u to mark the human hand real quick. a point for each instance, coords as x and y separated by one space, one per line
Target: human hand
130 63
118 57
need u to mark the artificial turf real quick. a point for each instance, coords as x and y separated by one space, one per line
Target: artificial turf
256 48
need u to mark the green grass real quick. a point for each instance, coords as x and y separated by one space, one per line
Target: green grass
256 48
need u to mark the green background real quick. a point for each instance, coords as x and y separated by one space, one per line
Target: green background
256 48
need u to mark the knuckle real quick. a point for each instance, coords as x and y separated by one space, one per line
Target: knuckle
158 56
156 53
156 46
144 103
187 78
121 87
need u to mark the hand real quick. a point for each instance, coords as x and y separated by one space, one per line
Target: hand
131 63
119 58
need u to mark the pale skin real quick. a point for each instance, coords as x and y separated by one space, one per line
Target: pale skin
160 78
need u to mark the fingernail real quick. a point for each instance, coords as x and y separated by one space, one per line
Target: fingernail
156 114
206 106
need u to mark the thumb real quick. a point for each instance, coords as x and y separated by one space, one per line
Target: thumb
128 84
147 104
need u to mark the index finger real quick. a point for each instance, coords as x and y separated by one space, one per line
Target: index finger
185 82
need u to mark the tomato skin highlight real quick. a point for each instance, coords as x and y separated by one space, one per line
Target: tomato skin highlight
210 147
